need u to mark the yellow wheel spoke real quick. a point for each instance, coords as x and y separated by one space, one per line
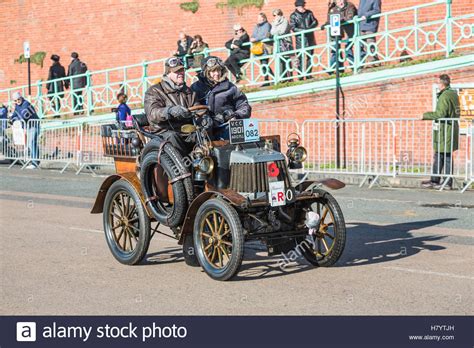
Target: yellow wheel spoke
225 252
214 216
210 225
226 231
117 239
219 255
214 254
325 244
207 235
226 242
221 226
116 216
207 247
325 213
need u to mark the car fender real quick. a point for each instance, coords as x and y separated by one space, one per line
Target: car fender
188 224
131 178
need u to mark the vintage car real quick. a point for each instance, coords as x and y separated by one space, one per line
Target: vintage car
225 194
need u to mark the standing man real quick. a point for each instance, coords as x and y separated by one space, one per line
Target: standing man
25 112
56 88
369 26
78 83
183 45
167 103
445 133
300 20
261 32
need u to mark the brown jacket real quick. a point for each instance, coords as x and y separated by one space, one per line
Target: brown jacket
348 12
160 97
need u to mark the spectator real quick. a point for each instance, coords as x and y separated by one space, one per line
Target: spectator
300 20
224 99
56 89
25 112
167 103
369 26
347 11
77 83
239 50
445 133
197 49
3 127
261 32
281 26
184 44
123 111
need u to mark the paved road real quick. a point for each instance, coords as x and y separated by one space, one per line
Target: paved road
408 252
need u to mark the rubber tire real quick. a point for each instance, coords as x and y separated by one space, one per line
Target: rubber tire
178 161
238 239
339 229
180 205
189 252
141 249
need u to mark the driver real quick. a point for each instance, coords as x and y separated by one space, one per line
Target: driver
224 99
167 103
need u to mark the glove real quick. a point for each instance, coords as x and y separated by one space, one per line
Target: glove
219 119
228 114
179 112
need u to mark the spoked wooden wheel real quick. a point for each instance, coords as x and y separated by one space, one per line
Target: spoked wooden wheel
218 239
126 224
325 246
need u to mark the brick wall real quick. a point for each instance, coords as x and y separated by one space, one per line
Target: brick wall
113 33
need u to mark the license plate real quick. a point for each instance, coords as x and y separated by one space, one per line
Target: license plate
277 196
244 131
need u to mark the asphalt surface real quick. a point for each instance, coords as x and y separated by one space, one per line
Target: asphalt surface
408 252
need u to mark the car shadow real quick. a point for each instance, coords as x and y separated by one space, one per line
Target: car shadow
370 244
365 244
166 256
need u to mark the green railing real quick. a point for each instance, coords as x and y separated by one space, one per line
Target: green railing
420 36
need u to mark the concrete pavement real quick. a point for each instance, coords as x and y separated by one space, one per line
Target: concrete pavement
408 252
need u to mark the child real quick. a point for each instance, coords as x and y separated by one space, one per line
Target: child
123 111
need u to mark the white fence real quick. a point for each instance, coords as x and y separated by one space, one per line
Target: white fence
371 147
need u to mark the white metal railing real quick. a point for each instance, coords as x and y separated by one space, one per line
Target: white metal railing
369 147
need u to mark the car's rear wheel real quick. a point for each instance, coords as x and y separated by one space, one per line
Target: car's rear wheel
218 239
325 246
126 224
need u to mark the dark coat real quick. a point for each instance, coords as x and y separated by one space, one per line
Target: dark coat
242 51
56 71
3 119
24 112
445 133
303 21
182 51
370 8
348 12
77 68
160 97
221 97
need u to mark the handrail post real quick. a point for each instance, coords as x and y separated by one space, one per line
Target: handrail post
356 45
449 31
89 93
276 59
39 97
144 78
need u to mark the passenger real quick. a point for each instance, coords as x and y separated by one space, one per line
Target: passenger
224 99
167 103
